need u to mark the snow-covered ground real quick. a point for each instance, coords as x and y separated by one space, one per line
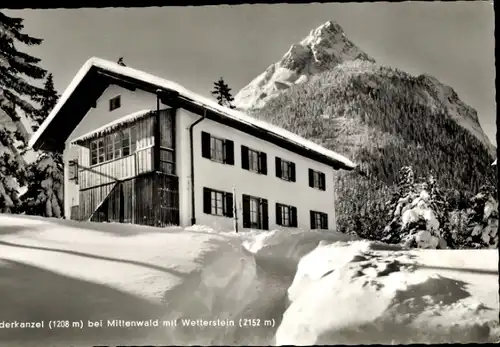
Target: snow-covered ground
277 287
367 292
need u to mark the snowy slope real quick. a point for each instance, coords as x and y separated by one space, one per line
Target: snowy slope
371 293
324 48
108 271
54 269
63 270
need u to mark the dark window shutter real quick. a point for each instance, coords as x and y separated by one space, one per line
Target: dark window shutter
278 167
263 163
292 172
207 201
278 214
311 178
229 205
323 181
325 221
205 145
265 215
293 216
229 145
244 158
313 224
246 211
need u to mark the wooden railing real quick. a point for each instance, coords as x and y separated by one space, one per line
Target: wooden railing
126 167
104 204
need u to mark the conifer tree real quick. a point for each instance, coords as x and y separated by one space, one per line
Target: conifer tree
18 97
48 101
222 92
44 196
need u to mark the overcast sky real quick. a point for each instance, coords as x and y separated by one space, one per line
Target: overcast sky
193 46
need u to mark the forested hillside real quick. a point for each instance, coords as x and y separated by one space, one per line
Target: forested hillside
383 119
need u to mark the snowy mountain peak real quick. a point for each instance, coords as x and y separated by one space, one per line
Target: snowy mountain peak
324 48
326 31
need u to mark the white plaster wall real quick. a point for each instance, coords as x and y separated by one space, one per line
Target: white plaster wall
131 101
71 196
223 177
183 120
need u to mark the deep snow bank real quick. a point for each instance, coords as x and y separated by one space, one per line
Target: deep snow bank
288 245
317 287
163 273
366 292
126 272
262 267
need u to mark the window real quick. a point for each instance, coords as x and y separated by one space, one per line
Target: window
97 152
113 146
217 149
73 170
253 160
217 203
285 170
114 103
126 142
255 214
133 138
286 215
117 143
167 163
317 180
110 153
319 220
217 199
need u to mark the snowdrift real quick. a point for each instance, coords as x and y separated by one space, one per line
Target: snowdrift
54 269
367 292
311 287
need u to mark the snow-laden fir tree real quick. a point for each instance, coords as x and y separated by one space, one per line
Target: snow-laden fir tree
44 196
222 92
17 97
48 101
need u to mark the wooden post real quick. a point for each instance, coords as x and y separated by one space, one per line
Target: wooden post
235 210
156 162
121 203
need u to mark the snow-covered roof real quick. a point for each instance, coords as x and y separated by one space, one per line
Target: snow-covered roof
113 125
193 98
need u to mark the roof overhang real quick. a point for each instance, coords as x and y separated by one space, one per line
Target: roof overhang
94 80
82 140
56 129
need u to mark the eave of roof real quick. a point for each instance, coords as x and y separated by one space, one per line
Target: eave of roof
96 75
133 117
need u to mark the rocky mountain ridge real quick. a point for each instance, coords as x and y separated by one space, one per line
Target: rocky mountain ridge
327 47
324 48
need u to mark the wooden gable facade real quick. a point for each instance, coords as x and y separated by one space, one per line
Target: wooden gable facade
124 175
